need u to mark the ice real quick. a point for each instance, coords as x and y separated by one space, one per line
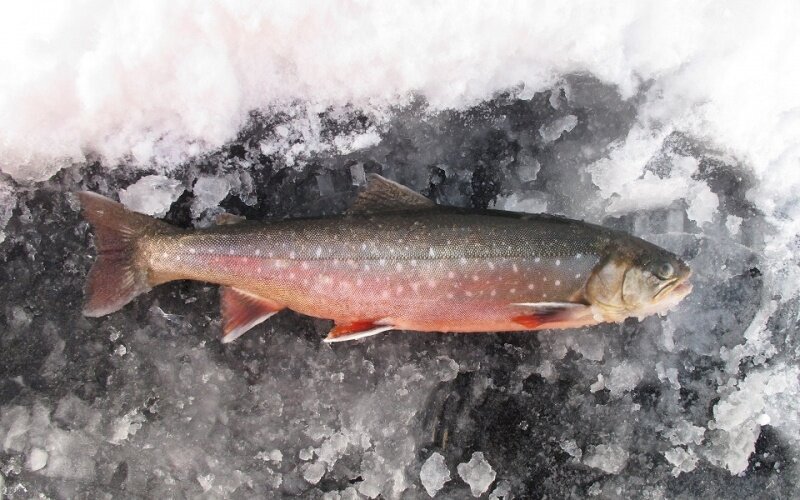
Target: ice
623 378
477 473
681 459
314 472
609 458
7 204
208 193
553 131
434 474
37 459
151 195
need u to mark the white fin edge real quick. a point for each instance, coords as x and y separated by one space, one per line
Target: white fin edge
566 305
241 330
357 335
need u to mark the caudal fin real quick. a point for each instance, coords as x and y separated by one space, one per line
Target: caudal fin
117 275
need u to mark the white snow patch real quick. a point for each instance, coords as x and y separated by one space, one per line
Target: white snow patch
434 473
681 460
553 131
477 473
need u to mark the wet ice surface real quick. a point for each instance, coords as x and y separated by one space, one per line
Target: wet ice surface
148 402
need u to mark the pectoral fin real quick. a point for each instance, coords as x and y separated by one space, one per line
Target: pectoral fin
343 332
540 315
242 311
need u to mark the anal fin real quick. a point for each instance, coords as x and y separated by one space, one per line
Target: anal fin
242 311
343 332
540 315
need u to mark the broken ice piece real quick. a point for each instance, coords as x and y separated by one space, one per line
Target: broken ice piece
325 183
151 195
357 175
609 458
208 193
434 473
36 460
552 131
314 472
477 473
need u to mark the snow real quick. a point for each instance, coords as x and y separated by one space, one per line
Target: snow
477 473
151 195
434 474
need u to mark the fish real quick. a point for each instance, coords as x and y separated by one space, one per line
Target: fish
395 260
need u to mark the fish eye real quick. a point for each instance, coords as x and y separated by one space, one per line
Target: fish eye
665 271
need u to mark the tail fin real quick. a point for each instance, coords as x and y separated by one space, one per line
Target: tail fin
117 276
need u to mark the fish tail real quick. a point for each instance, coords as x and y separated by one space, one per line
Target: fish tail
118 275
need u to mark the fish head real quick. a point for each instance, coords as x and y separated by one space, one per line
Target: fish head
637 278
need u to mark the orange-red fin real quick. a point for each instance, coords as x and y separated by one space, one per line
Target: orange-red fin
343 332
242 311
542 314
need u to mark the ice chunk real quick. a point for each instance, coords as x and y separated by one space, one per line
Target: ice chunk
681 459
446 368
206 482
313 472
477 473
571 447
151 195
501 492
533 203
552 131
208 193
7 204
527 166
37 459
434 473
272 456
609 458
623 378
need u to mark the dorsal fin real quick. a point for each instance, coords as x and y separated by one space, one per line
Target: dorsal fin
383 195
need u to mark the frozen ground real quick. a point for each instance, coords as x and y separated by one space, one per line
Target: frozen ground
676 122
148 402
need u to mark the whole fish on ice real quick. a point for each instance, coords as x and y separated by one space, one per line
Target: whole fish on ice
394 261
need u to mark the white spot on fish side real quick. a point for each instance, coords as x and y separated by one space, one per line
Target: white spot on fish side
258 252
413 262
292 255
259 270
415 286
165 255
578 256
493 293
491 265
291 276
530 287
451 274
544 279
382 262
327 280
192 251
359 282
462 261
178 258
578 275
399 267
449 295
474 277
432 283
558 262
537 259
431 253
385 294
230 252
515 268
558 283
399 289
513 290
363 246
468 294
318 252
304 266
